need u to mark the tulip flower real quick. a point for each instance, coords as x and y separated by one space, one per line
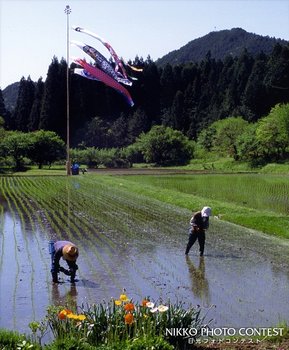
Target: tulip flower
129 307
128 318
163 308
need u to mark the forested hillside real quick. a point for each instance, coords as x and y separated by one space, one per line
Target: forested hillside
187 97
10 95
221 44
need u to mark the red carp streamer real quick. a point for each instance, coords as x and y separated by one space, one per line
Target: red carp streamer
105 78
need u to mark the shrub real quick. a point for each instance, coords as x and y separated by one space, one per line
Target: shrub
133 153
13 340
113 158
108 157
165 146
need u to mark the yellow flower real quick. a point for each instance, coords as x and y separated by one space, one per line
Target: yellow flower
76 317
64 313
128 318
163 308
118 302
123 298
81 317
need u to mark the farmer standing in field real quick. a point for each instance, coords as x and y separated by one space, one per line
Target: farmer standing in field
199 223
69 252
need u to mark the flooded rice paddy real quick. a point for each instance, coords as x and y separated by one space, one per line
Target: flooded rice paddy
133 242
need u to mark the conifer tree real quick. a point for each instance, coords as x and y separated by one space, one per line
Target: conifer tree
34 116
53 108
177 111
3 111
137 123
151 91
242 71
167 87
277 77
255 97
24 104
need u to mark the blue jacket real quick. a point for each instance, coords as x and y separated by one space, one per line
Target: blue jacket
58 246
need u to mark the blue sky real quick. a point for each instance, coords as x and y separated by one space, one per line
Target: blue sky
33 31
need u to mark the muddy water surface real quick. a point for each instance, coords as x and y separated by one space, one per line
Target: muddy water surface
242 281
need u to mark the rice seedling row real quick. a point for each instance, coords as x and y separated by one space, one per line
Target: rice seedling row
18 204
29 207
113 210
85 241
31 275
33 207
2 235
27 187
125 206
123 272
108 210
145 215
129 238
13 251
73 232
256 191
153 209
43 205
242 214
46 209
58 214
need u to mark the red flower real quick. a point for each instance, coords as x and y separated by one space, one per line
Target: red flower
128 318
63 313
129 307
144 302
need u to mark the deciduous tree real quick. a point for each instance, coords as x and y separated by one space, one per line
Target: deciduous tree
46 147
165 146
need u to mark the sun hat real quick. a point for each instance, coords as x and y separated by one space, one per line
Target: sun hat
70 252
206 212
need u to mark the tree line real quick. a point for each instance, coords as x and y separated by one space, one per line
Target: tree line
258 143
195 99
187 97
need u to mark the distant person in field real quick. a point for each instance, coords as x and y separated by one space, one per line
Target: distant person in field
199 223
68 252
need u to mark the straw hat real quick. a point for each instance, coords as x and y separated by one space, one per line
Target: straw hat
70 252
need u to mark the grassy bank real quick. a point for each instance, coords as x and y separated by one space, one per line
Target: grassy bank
217 164
255 201
212 164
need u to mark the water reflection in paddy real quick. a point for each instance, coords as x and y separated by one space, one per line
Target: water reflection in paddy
242 279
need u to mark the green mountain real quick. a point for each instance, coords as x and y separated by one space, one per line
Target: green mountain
10 94
221 44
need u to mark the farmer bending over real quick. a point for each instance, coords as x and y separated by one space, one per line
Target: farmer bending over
199 223
69 252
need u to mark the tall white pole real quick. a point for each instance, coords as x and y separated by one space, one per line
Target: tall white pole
68 165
